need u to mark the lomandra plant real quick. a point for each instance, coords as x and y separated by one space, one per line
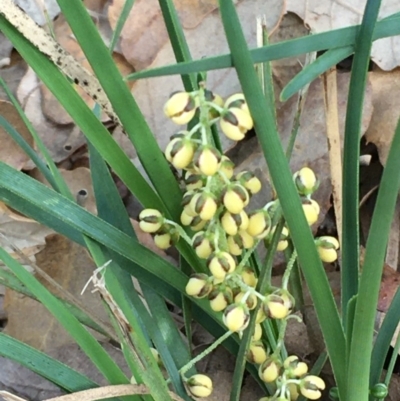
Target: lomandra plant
221 282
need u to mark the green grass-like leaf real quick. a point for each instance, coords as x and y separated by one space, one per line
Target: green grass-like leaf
264 122
43 365
322 41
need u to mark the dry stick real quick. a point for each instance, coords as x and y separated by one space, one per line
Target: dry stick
334 143
58 55
67 295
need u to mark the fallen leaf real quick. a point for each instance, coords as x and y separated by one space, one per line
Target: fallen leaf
60 140
29 321
10 152
386 102
325 15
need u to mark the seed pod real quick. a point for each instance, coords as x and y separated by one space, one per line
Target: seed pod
259 224
311 387
379 391
221 264
200 385
180 108
199 285
151 220
269 370
236 317
249 181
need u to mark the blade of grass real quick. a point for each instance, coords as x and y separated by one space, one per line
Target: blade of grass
351 155
322 41
126 9
178 41
312 71
43 365
363 327
264 123
86 341
384 338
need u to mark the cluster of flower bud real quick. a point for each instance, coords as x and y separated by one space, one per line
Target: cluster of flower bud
291 379
233 114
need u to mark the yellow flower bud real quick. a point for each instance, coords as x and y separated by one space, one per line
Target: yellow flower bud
226 167
204 205
199 285
220 298
198 223
237 100
311 387
257 332
221 264
269 370
151 220
260 316
311 210
186 219
282 245
326 247
214 99
235 198
180 108
293 366
193 181
293 391
236 317
179 152
200 385
234 246
235 123
249 181
259 224
207 160
249 277
251 300
256 353
274 307
163 241
202 245
305 181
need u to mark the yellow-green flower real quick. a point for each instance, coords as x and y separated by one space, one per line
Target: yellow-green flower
207 160
220 298
294 367
256 353
237 100
327 247
202 245
179 152
250 181
259 224
305 181
232 223
269 370
235 198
